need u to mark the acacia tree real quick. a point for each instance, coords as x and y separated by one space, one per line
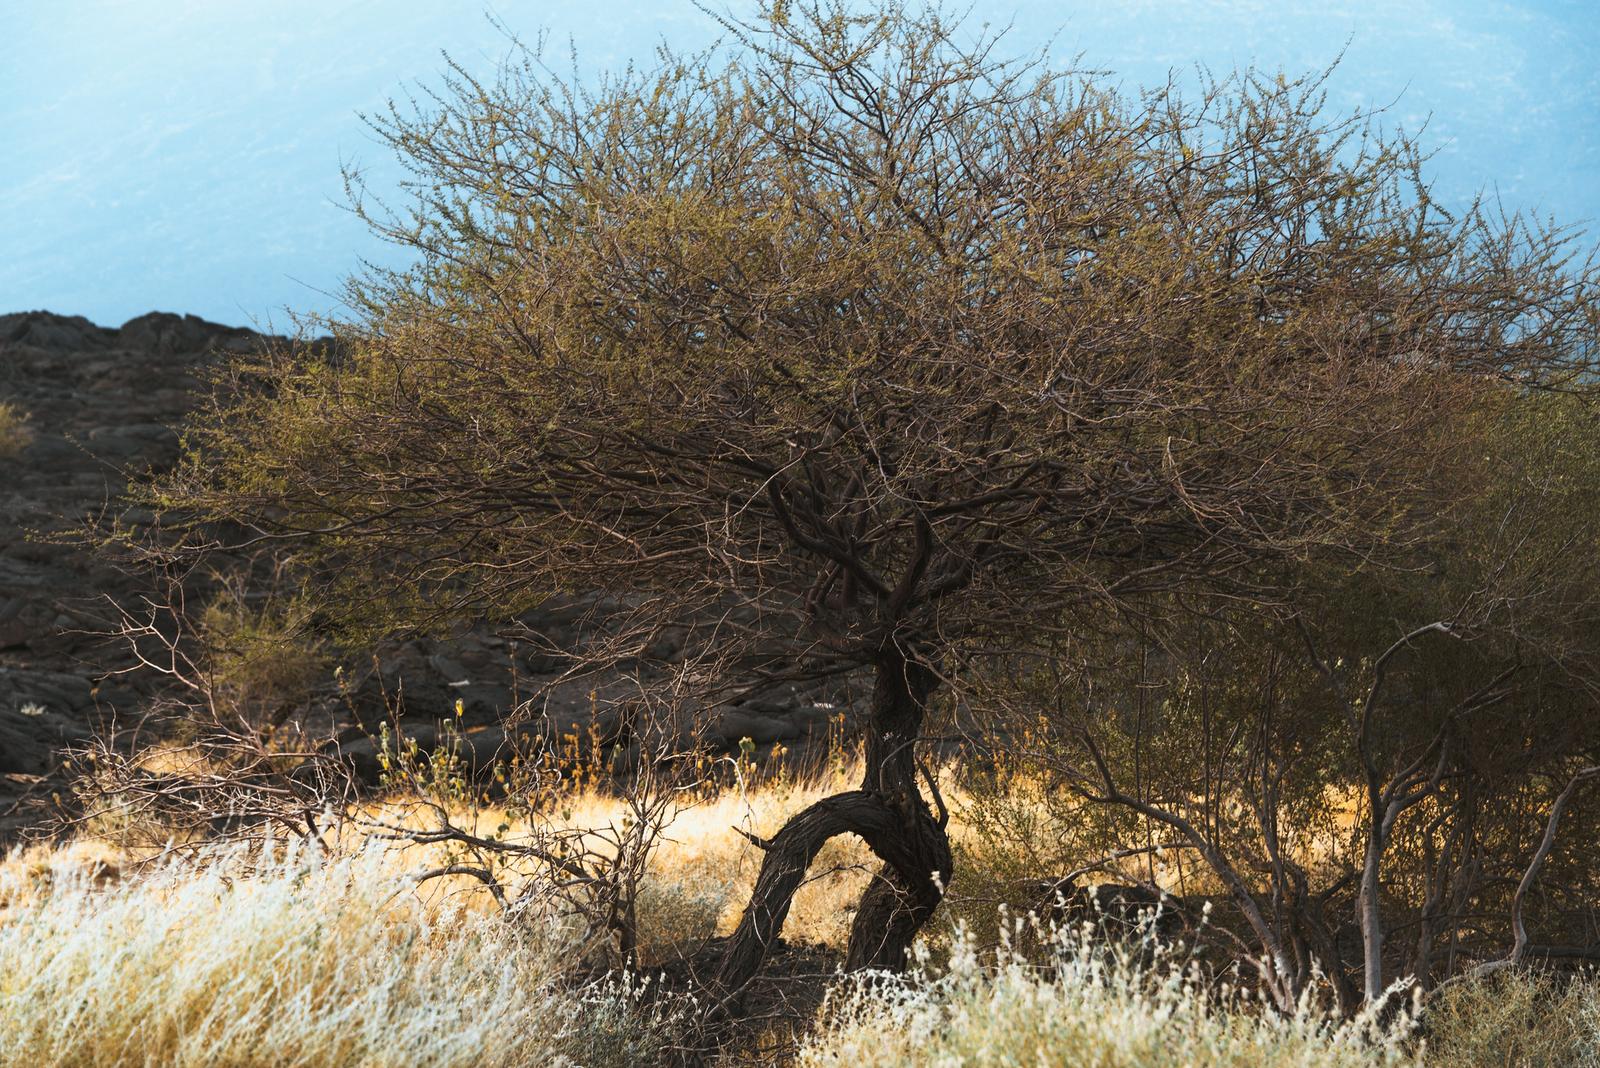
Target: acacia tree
1445 706
873 351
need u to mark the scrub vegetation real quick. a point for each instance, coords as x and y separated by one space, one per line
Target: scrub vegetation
15 433
281 951
1206 515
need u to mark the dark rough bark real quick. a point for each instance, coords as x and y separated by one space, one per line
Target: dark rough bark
889 814
903 894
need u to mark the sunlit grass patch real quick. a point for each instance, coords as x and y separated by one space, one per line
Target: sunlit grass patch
286 957
285 954
1080 1008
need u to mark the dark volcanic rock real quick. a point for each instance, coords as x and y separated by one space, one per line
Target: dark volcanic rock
100 402
103 404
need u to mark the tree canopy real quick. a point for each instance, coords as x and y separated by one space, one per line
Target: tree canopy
879 351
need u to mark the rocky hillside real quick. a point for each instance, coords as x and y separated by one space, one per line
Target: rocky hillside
101 404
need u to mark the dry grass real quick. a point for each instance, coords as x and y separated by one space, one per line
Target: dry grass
1517 1021
289 958
702 869
1081 1011
703 854
302 960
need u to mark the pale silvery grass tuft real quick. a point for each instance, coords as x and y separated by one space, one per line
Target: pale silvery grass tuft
291 959
1083 1008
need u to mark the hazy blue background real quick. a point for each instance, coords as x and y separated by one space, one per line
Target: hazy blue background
184 155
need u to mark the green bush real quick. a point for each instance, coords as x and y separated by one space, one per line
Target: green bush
15 434
262 663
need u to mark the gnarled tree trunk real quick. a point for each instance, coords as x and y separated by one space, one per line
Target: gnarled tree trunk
906 889
889 814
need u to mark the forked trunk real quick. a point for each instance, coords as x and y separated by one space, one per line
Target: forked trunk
902 895
889 814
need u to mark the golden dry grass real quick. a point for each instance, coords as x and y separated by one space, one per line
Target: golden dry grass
285 957
290 958
282 957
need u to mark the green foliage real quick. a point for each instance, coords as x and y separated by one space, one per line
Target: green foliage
262 661
1265 734
664 332
15 433
440 776
1187 431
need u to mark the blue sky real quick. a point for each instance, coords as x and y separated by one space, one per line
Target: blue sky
184 155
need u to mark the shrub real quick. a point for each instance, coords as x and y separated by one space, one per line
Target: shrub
882 353
15 433
1516 1020
262 666
673 914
